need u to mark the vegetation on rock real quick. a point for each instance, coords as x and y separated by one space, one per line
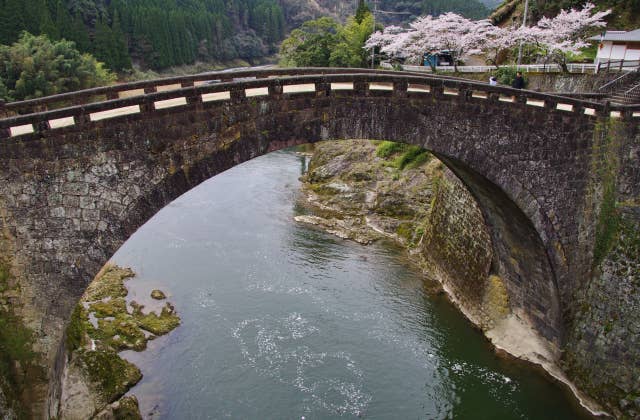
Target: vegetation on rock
495 301
348 181
112 374
101 326
158 294
20 369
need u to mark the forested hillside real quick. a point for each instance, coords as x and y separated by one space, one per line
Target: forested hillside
154 33
162 33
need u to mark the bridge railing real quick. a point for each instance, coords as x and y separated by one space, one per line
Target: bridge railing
360 84
145 87
527 68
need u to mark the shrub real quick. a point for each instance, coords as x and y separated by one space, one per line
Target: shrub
388 148
412 158
35 66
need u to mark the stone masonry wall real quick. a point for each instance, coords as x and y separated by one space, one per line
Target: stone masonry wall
70 197
457 244
603 349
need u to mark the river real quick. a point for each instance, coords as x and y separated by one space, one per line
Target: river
280 321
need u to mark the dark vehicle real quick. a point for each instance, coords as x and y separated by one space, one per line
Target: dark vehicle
437 58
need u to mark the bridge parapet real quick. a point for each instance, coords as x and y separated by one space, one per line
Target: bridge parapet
125 90
362 83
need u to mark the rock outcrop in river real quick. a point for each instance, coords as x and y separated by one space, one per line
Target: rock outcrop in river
103 324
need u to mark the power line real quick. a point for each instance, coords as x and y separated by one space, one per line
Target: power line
386 12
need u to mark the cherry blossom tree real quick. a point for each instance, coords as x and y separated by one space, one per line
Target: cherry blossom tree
564 35
555 38
496 42
449 31
458 35
392 41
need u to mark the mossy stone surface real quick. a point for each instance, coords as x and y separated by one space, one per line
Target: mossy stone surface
101 326
127 409
159 324
109 283
158 294
112 375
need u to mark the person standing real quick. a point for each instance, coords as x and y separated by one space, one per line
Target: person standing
518 82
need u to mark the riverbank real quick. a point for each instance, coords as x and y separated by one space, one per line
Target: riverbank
364 190
105 322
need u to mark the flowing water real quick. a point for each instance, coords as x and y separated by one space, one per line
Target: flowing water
280 321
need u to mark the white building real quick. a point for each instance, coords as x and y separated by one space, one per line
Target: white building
618 50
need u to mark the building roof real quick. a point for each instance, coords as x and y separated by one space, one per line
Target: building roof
633 36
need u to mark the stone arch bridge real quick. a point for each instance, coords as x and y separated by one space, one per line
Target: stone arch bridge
80 172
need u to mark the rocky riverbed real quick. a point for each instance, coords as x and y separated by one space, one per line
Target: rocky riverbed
104 323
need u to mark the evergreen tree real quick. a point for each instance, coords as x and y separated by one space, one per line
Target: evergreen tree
11 20
35 66
362 11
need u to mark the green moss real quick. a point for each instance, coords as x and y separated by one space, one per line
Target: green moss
113 375
629 239
117 328
158 294
109 308
5 275
20 365
388 148
606 168
109 283
495 302
127 409
419 160
412 158
76 330
608 222
405 231
321 189
122 333
159 325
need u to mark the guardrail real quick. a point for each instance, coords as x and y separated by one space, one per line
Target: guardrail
527 68
369 83
617 82
618 65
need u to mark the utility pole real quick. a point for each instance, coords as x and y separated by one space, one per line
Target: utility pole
373 49
524 23
374 12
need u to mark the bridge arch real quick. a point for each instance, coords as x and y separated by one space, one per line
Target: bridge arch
78 181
